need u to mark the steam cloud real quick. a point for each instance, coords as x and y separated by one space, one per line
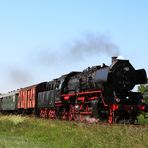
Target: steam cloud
19 76
90 45
93 44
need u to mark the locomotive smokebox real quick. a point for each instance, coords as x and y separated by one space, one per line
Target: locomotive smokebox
114 59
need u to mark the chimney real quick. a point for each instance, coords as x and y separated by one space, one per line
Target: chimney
114 59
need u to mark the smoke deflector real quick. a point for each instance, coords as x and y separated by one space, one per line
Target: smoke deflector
141 77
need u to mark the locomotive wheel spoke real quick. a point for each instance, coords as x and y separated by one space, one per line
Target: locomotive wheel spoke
70 116
110 120
71 113
82 118
51 114
76 117
111 117
64 115
42 113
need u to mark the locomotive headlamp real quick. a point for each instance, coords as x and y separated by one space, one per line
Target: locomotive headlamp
77 106
143 101
126 68
127 97
117 100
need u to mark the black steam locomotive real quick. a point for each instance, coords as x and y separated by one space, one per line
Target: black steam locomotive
99 93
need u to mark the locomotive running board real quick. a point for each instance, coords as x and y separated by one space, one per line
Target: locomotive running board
66 96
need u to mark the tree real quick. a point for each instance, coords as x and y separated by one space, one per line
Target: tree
144 90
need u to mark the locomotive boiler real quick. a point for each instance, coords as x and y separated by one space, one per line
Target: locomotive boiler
120 76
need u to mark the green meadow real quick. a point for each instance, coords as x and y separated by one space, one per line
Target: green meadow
30 132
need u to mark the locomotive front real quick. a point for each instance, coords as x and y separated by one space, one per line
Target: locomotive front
120 75
123 77
118 80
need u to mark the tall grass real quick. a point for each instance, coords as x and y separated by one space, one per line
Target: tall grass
142 120
26 132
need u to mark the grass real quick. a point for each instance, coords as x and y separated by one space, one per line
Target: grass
28 132
142 120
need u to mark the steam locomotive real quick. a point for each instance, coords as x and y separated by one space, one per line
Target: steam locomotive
99 93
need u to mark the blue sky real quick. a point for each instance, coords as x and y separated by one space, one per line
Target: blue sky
35 36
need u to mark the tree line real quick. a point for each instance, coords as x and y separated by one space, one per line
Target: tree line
144 90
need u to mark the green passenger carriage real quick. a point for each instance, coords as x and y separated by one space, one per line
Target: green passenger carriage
8 102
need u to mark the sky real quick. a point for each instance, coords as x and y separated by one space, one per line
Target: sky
43 39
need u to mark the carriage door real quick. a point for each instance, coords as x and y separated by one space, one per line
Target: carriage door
29 98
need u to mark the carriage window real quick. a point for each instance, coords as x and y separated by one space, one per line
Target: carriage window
52 86
60 84
13 98
49 87
57 84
